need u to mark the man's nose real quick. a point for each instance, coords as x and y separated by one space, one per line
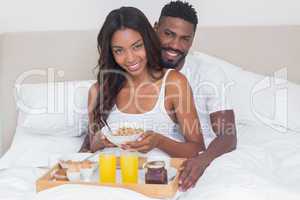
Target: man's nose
175 44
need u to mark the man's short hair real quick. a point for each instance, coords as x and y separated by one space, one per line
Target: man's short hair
181 10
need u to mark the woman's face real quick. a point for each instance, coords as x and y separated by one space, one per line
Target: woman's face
128 50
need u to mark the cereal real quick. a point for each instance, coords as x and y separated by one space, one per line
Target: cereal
124 131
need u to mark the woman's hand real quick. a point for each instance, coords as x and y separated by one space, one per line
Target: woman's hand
98 142
145 143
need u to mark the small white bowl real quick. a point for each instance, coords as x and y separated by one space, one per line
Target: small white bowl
73 176
118 140
86 174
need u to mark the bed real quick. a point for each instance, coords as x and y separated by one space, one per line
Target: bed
267 170
265 165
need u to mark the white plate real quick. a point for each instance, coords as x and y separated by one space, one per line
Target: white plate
118 140
75 156
78 157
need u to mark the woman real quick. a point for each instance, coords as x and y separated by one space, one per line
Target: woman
132 86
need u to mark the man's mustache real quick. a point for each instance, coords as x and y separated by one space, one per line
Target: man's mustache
171 49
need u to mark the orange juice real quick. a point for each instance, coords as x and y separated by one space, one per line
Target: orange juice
107 168
129 168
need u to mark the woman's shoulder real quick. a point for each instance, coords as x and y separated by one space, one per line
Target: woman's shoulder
175 76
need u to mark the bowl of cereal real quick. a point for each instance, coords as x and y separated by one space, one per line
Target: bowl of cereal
121 133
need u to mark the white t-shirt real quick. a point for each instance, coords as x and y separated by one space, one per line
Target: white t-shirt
210 89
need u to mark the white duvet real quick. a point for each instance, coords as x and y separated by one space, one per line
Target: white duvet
18 184
265 165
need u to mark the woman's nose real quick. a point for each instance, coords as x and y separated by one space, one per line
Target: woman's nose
130 57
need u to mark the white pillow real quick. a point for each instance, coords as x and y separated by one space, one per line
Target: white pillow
294 106
32 150
240 96
53 108
271 101
257 98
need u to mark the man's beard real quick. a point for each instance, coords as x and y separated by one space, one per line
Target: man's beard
170 64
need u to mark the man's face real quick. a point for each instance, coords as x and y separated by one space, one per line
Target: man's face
176 36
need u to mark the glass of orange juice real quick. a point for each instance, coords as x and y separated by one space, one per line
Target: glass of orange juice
107 167
129 167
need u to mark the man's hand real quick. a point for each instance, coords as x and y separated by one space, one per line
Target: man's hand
148 141
98 142
191 170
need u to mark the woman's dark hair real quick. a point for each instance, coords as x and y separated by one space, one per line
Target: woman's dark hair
111 76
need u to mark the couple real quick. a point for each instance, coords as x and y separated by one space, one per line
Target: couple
139 79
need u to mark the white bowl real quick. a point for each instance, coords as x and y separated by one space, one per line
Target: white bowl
86 174
73 176
118 140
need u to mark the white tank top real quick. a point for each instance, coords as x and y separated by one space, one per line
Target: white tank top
156 119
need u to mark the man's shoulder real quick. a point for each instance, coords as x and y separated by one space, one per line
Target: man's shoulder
197 66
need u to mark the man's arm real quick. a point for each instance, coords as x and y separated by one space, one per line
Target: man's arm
223 125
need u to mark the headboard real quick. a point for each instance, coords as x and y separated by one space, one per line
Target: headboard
259 49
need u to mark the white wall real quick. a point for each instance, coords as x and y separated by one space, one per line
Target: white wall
28 15
249 12
1 96
1 137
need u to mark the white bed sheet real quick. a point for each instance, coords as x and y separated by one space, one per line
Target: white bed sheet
266 165
19 183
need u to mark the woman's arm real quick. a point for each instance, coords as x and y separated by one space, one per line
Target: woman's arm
183 104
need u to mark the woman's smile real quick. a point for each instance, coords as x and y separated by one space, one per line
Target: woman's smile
133 67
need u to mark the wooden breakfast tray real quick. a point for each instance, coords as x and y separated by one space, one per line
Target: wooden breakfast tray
151 190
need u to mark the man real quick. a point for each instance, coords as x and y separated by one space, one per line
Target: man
176 29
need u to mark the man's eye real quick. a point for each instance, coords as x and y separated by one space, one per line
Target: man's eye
167 33
186 39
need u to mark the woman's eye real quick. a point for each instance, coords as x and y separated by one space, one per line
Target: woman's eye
138 46
118 51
